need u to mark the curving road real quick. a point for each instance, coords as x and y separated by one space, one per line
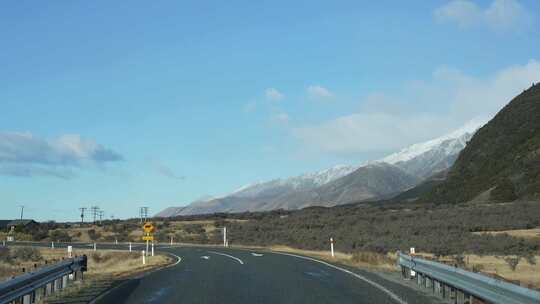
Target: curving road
222 275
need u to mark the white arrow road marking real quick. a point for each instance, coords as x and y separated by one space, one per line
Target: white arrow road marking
205 257
179 259
257 254
374 284
229 256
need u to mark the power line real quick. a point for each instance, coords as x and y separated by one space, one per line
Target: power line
95 212
143 213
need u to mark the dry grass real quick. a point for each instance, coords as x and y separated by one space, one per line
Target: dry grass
527 274
522 233
369 260
100 263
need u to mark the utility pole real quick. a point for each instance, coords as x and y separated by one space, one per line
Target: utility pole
143 213
22 211
101 214
95 212
83 209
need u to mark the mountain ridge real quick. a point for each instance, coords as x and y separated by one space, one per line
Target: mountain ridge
342 184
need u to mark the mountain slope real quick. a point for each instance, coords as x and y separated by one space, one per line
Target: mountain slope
433 156
343 184
502 160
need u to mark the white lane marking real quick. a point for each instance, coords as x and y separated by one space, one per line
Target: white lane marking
257 254
374 284
177 262
205 257
229 256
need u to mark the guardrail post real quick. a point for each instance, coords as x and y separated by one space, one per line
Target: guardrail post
437 287
460 297
444 291
48 289
39 294
64 281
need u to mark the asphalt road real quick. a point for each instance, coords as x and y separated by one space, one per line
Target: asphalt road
223 275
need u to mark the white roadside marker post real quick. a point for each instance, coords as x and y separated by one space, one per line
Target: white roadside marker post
116 241
70 251
129 246
332 246
95 247
171 240
52 245
152 249
143 258
224 236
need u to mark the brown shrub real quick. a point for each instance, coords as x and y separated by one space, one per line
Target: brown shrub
27 254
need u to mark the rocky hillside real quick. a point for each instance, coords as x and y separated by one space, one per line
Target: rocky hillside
502 160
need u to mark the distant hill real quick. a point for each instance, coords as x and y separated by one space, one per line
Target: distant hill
502 160
341 184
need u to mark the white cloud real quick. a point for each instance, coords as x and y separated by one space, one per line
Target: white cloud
273 94
23 154
250 107
500 15
282 118
318 92
420 111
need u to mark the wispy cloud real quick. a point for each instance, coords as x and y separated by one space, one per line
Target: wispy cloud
273 94
500 15
23 154
317 92
281 118
390 121
166 171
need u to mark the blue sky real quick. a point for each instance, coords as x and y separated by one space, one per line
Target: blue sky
158 103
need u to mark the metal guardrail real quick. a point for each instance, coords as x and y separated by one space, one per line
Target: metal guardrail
32 286
478 285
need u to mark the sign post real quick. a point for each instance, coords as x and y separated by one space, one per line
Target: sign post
148 229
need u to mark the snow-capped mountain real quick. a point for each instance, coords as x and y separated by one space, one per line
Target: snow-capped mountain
342 184
416 150
301 182
427 158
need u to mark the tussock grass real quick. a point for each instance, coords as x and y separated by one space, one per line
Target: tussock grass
521 233
100 263
370 260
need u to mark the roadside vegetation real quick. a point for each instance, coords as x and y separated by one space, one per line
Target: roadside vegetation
498 238
100 263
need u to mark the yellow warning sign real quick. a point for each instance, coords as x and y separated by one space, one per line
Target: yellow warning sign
148 238
148 227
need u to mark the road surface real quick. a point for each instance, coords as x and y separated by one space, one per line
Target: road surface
223 275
